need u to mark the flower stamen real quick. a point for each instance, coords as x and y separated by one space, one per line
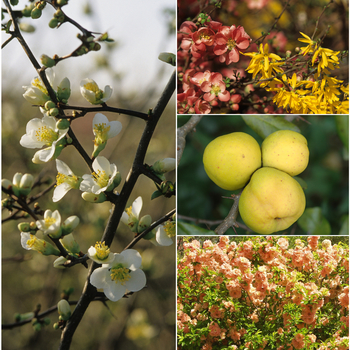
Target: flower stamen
119 273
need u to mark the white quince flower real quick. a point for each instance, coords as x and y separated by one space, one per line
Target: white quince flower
101 179
100 253
51 224
31 242
92 93
120 275
164 233
43 132
104 129
65 180
131 215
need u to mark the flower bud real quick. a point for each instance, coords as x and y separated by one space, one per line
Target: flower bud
70 244
27 10
63 90
59 15
17 179
24 227
64 310
14 2
62 124
69 225
49 104
94 198
164 165
167 58
98 148
53 23
47 61
40 5
6 184
58 263
54 112
62 2
144 223
26 184
27 28
36 13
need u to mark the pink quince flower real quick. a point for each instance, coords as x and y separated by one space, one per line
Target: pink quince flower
234 101
215 87
229 42
204 36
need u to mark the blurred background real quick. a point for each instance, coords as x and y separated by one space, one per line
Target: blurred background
326 177
145 320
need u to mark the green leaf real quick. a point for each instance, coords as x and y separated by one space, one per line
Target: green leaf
264 125
184 229
156 194
344 230
314 223
342 122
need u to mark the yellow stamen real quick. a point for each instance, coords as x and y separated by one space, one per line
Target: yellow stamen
101 178
102 251
49 221
45 134
169 228
119 273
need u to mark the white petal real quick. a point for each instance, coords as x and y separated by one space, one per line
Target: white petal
87 183
114 291
46 154
63 168
115 128
162 238
125 217
107 93
60 191
137 281
25 236
100 277
100 118
101 163
28 141
49 121
137 206
132 258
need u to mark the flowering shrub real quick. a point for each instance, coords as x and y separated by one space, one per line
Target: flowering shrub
262 294
215 75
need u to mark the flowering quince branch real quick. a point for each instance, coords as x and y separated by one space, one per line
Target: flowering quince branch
119 272
89 291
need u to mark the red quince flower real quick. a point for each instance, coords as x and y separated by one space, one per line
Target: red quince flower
204 36
202 107
234 101
229 42
215 87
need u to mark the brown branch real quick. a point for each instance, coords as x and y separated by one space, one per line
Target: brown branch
182 133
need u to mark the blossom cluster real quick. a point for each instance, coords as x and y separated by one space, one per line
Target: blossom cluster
261 294
202 89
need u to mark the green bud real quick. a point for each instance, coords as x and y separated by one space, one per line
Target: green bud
94 198
14 2
24 226
27 10
168 58
27 28
47 61
54 112
144 223
164 165
62 2
63 90
56 326
95 47
33 225
47 321
59 15
40 5
6 184
63 124
7 203
49 104
36 13
37 326
53 23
